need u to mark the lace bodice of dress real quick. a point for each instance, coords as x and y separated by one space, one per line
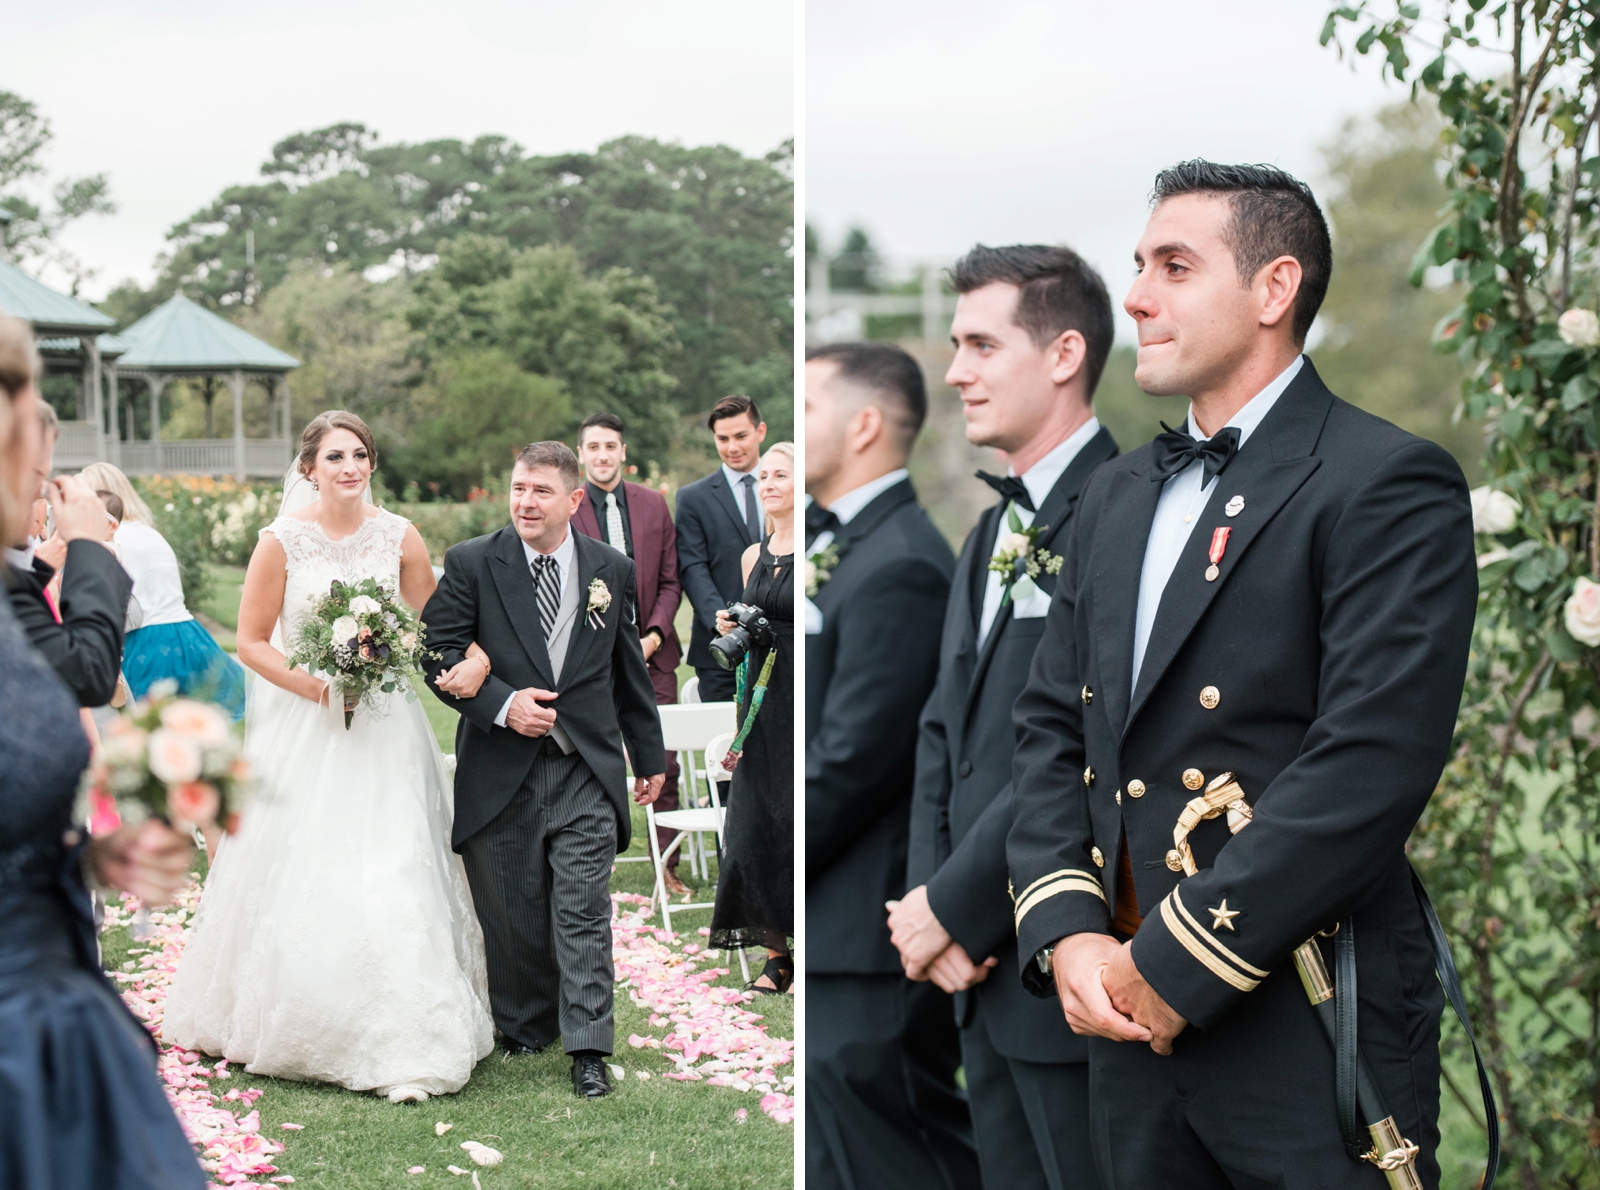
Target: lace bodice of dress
314 561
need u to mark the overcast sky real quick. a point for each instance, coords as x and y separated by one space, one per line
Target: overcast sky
1011 121
177 99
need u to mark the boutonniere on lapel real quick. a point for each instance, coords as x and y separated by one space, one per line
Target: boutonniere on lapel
819 568
599 604
1019 560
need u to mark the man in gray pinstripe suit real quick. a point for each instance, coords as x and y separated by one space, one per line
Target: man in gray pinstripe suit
541 806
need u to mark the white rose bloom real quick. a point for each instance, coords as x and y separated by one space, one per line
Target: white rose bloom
1582 613
364 605
1493 511
1013 545
174 757
1580 328
344 628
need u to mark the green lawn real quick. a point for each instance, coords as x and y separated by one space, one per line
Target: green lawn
655 1133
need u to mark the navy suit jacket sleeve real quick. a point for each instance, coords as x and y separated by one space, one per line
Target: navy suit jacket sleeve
930 799
888 647
694 557
968 893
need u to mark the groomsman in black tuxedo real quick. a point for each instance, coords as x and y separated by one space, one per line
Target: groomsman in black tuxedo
1032 330
1272 603
719 518
884 1109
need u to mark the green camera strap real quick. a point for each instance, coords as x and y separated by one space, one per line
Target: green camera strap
756 697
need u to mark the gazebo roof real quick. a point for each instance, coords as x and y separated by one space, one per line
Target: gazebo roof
50 312
111 346
180 336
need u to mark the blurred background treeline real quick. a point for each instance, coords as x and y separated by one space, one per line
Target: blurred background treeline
466 297
1382 193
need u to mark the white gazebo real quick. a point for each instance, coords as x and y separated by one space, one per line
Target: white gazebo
180 338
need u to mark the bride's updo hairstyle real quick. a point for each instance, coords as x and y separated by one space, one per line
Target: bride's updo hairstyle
320 426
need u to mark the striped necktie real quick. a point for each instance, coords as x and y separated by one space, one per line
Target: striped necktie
547 592
614 535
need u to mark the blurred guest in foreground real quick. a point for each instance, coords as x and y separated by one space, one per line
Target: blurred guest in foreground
169 643
635 519
719 518
755 880
81 1106
884 1108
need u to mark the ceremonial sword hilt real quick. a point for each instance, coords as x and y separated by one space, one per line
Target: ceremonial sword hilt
1391 1152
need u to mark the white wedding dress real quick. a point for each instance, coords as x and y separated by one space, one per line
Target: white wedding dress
336 940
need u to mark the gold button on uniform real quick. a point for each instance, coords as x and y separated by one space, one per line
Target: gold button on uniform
1174 861
1099 860
1193 778
1136 788
1088 696
1210 697
1088 775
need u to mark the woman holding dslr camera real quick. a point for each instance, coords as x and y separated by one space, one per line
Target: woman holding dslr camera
755 883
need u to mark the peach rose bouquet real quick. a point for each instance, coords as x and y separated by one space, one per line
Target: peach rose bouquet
166 756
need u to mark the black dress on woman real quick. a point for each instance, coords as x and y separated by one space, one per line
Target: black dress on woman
81 1105
755 884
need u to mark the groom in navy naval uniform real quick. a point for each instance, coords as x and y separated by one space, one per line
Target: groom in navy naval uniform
1032 329
884 1109
1278 594
541 804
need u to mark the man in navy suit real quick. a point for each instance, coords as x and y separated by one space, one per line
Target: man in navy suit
719 518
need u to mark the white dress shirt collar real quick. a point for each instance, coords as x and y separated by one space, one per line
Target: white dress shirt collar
1040 478
736 483
565 555
847 506
1256 408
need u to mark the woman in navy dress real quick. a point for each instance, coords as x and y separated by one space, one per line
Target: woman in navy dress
81 1105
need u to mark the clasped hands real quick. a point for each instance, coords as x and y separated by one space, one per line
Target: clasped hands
926 949
1103 994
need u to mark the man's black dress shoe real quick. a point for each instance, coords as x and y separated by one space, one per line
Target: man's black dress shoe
515 1049
589 1077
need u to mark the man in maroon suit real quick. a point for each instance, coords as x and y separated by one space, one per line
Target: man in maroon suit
634 519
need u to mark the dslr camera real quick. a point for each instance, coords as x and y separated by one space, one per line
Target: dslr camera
750 628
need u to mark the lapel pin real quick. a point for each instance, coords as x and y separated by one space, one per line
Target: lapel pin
1219 543
1234 506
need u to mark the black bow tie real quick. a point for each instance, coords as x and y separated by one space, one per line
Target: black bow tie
1175 450
819 520
1011 487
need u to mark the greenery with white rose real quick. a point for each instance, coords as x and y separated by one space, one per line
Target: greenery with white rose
1018 559
364 641
1510 845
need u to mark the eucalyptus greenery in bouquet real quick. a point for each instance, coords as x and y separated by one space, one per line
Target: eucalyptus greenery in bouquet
171 757
364 641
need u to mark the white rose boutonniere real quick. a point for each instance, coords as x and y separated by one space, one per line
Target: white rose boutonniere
1582 613
1019 561
819 569
599 603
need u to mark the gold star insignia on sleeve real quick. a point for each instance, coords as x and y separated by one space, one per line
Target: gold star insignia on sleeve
1222 915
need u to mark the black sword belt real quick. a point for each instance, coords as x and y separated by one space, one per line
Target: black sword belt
1356 1093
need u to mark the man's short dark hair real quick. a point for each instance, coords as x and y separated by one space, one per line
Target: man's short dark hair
888 371
733 406
1060 292
1274 214
552 454
604 421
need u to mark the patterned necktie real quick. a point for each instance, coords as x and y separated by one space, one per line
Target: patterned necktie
547 592
752 518
614 534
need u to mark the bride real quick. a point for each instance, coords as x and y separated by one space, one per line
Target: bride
336 940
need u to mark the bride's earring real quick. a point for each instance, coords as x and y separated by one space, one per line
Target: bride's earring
315 486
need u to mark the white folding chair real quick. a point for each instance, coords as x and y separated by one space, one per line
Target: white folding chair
687 730
690 692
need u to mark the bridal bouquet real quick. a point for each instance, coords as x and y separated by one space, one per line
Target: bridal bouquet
364 641
168 756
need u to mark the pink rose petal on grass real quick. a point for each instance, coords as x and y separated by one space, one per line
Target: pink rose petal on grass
292 1127
418 1169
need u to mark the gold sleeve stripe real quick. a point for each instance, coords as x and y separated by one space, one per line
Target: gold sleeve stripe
1060 873
1214 941
1206 959
1073 883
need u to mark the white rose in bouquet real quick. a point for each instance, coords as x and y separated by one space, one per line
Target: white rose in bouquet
1493 511
364 605
1580 328
1582 613
174 757
345 629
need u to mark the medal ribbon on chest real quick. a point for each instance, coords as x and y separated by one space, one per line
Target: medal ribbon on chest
1219 544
